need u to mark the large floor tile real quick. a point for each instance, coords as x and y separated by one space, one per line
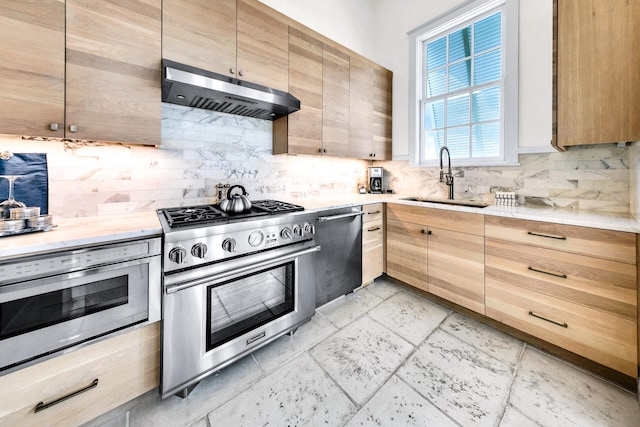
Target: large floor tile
210 393
467 384
362 356
285 348
501 346
555 393
397 404
384 288
514 418
410 316
298 393
345 310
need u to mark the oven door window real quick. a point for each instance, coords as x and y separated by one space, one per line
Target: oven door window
50 308
240 305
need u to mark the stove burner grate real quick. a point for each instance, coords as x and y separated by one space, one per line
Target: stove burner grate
275 206
177 217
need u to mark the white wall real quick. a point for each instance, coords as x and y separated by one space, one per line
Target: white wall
378 30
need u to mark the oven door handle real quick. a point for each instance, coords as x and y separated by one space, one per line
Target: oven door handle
234 272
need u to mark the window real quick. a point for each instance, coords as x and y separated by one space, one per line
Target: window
465 86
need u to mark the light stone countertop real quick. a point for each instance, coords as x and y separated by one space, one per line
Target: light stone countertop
593 219
71 233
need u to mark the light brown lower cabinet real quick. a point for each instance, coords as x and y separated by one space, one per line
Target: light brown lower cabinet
372 242
110 372
438 251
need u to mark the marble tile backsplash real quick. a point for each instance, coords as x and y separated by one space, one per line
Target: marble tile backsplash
200 148
588 177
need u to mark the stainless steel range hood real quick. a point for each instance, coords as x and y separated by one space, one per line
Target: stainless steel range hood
194 87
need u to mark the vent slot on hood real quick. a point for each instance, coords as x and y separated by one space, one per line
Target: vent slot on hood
193 87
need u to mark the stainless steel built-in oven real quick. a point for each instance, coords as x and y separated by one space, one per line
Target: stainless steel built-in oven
52 302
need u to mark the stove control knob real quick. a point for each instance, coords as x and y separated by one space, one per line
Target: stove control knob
199 250
309 229
286 233
298 231
229 244
177 254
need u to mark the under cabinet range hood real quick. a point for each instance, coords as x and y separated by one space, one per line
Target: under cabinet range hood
194 87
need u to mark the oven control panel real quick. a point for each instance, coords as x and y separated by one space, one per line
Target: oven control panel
220 244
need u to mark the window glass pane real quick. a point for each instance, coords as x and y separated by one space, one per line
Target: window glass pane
434 115
458 142
488 33
486 140
437 53
436 82
458 110
486 104
433 141
460 44
460 75
488 67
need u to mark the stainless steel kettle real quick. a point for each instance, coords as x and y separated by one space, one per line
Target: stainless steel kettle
236 203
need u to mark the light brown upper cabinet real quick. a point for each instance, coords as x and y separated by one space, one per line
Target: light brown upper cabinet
370 110
597 84
335 102
111 89
32 74
243 39
301 133
113 71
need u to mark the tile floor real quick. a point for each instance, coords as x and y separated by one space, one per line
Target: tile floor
386 356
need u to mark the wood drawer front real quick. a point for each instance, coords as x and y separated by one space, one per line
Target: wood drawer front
372 250
440 218
598 283
456 268
126 366
372 212
372 234
607 244
596 335
407 253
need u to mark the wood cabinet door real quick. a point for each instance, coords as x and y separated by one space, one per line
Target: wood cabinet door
360 107
200 33
32 72
598 96
456 267
372 250
262 45
113 71
406 251
335 101
302 130
382 112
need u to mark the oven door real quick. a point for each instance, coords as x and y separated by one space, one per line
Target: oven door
46 315
232 309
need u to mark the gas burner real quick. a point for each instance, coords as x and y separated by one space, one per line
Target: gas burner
177 217
275 206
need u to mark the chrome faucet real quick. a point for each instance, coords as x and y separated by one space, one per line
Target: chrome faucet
448 176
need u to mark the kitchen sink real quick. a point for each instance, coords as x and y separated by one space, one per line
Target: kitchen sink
468 203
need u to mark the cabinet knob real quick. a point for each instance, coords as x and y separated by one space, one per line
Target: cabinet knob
241 73
232 70
73 128
324 150
319 150
54 126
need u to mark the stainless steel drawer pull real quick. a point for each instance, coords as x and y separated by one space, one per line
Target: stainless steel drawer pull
531 233
374 229
42 406
562 276
564 325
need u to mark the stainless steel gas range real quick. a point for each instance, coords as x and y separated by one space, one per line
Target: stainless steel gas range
231 284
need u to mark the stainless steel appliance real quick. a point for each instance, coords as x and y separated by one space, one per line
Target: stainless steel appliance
375 180
232 283
339 264
52 302
194 87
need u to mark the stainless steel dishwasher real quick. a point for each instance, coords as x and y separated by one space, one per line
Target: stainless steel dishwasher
339 262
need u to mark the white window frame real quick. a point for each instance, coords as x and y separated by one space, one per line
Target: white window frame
441 25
